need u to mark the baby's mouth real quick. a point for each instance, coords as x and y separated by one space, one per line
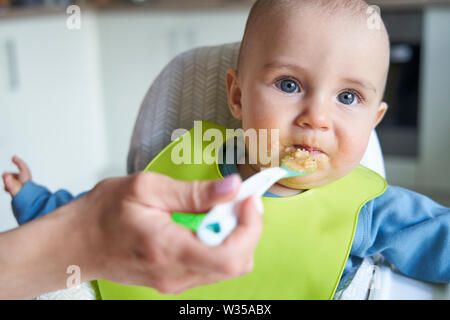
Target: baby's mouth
313 151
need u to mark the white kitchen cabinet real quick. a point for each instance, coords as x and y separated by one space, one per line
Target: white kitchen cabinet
70 106
53 107
7 220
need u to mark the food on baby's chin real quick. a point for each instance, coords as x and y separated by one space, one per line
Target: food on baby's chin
299 160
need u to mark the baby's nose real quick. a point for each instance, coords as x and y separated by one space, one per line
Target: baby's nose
314 116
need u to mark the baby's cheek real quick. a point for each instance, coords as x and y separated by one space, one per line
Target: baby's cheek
351 150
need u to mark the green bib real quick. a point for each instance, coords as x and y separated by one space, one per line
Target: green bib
306 238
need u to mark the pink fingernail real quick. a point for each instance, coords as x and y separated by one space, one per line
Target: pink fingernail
225 185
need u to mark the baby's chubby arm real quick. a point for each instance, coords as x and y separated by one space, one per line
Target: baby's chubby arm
410 230
29 200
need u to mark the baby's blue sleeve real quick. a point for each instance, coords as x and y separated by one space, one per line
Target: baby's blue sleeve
408 229
34 200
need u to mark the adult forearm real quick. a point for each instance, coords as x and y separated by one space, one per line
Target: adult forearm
34 258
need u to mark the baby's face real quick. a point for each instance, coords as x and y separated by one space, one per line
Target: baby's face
319 80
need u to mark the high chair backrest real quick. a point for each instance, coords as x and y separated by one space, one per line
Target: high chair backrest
192 87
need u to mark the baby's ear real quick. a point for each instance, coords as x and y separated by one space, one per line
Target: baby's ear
234 93
381 112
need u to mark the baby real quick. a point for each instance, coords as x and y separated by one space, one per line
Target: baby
316 71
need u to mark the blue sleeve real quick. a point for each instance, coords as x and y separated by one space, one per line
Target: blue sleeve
33 201
408 229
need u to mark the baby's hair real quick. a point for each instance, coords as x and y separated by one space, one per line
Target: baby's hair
274 7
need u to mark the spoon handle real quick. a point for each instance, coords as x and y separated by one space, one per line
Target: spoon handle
222 218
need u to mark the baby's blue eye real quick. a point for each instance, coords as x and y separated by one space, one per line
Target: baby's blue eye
288 86
348 98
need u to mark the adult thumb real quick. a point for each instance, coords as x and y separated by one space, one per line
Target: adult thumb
200 196
172 195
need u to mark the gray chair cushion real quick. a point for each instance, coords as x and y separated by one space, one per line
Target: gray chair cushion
191 87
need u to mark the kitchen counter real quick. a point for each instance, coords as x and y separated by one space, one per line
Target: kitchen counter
155 5
169 5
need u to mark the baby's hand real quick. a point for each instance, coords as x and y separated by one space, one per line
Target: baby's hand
14 181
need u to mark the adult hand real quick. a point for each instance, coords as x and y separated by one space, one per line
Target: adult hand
131 238
122 231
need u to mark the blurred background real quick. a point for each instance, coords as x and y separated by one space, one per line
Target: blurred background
69 96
